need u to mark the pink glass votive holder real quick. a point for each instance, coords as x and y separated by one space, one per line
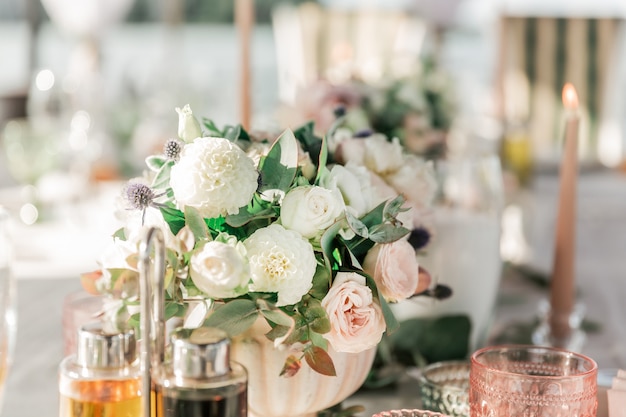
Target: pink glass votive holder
79 308
409 413
532 381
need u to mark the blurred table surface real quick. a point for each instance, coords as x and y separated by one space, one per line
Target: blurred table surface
42 286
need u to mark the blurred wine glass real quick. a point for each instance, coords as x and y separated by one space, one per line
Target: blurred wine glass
8 315
31 149
465 249
84 83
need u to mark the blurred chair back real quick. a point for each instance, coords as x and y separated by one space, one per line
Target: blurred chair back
313 43
537 56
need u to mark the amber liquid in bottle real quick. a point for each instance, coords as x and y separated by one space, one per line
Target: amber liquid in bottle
112 398
103 379
228 401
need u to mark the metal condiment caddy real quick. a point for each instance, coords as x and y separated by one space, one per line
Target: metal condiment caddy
197 377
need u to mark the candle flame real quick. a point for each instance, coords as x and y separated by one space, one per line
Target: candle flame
570 97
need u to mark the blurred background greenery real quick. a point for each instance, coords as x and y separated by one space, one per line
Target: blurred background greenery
195 11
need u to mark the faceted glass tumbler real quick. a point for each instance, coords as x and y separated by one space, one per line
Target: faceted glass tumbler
532 381
444 387
409 413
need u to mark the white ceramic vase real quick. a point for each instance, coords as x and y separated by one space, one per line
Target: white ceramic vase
306 393
465 251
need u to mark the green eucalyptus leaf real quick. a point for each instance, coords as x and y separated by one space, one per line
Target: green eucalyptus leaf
316 315
212 129
120 233
278 332
300 332
243 133
232 133
374 216
390 319
393 207
356 225
318 339
327 243
278 317
155 162
321 282
245 216
174 218
134 321
387 233
174 310
310 142
196 223
234 317
306 136
321 163
278 168
162 178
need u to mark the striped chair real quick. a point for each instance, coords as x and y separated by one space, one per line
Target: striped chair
315 42
537 56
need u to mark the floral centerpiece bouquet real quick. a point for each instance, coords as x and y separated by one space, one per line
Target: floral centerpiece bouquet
418 110
272 229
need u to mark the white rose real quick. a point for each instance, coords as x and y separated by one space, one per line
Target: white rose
188 126
356 320
351 150
353 183
115 256
309 209
415 180
215 176
281 261
220 270
257 150
136 221
382 156
340 135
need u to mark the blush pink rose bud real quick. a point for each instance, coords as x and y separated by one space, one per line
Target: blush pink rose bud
424 281
356 320
395 269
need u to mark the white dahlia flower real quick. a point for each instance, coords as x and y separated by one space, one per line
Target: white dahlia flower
215 176
281 261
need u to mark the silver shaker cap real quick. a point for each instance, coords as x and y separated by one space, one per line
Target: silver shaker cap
99 348
200 353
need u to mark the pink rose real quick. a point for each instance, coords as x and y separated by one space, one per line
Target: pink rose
356 321
394 268
351 150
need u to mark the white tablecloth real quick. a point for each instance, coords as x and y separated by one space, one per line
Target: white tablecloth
32 385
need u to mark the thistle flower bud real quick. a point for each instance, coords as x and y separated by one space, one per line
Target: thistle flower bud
172 149
188 126
339 111
419 237
138 196
364 133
